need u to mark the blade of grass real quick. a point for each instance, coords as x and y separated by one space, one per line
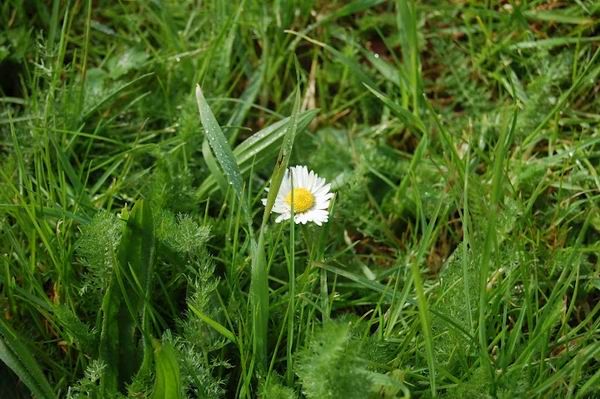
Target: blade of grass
259 272
407 25
21 361
422 302
214 324
490 244
246 101
408 118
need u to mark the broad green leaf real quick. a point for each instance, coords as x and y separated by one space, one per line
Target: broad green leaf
211 162
124 305
220 146
167 384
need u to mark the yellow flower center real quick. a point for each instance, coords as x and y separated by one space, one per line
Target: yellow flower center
303 199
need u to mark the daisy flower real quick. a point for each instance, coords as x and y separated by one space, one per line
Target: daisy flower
309 197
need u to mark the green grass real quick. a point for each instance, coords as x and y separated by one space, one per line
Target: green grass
461 256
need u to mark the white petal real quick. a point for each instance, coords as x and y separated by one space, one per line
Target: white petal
311 181
307 177
323 190
318 216
282 194
326 197
280 204
319 213
301 218
323 198
321 205
302 177
282 217
316 184
280 209
286 186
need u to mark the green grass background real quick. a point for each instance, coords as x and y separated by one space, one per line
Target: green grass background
461 259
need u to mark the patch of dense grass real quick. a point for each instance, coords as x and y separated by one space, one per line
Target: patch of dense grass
461 254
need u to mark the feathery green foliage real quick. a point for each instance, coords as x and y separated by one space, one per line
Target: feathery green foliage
331 366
